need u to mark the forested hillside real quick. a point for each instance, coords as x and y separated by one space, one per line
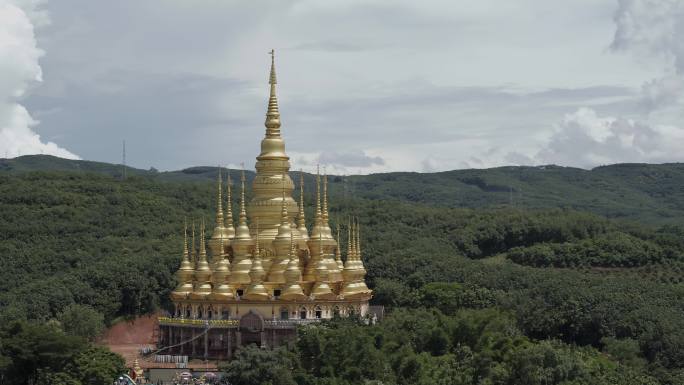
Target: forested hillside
651 193
480 285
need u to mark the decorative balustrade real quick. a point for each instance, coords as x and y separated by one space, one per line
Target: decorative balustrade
289 323
213 323
233 323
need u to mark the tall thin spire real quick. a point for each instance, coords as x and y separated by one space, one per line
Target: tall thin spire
301 225
283 210
242 244
242 231
219 203
257 250
230 229
203 271
256 289
186 269
219 229
325 224
203 249
284 229
353 239
321 289
354 272
221 288
319 214
292 290
338 252
350 247
325 197
243 213
272 114
185 240
358 239
193 248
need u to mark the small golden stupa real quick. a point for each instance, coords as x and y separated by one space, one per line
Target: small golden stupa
268 274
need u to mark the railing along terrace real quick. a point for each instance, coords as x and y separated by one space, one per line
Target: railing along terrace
233 323
214 323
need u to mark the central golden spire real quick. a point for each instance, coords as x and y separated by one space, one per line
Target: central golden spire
272 169
272 114
273 145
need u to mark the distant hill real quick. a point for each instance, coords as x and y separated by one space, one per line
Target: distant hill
650 193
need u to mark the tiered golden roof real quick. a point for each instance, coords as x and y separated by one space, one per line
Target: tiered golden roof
276 259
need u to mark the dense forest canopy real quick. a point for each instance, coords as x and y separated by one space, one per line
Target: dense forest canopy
579 280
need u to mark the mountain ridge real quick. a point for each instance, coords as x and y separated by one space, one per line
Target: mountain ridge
649 193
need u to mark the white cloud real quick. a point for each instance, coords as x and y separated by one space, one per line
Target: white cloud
434 85
585 139
338 162
653 30
662 92
19 70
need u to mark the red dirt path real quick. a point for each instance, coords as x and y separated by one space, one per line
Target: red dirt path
127 337
138 331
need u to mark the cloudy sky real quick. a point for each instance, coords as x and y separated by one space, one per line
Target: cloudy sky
364 86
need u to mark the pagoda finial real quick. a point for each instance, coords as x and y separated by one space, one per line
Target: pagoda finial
338 251
325 197
319 215
353 238
186 269
243 212
242 231
272 113
301 219
256 289
193 247
350 249
203 250
230 229
257 250
219 202
285 228
293 275
272 79
185 239
283 210
358 239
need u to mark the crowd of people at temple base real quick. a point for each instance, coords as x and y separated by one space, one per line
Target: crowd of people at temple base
182 378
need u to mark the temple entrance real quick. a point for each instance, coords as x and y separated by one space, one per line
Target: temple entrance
252 327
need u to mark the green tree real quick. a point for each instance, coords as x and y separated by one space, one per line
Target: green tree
82 321
36 349
97 365
253 365
626 351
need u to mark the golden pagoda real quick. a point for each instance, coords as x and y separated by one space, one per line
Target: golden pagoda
270 272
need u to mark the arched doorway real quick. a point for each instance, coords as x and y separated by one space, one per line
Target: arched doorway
251 328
